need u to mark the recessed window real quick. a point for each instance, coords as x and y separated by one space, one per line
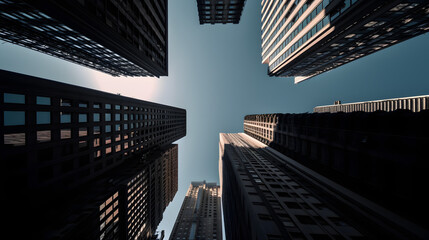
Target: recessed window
96 117
65 117
14 139
65 103
83 117
43 117
14 98
117 117
96 142
96 130
108 140
65 133
117 148
43 136
107 117
117 137
83 145
14 118
97 154
125 117
43 100
118 127
83 105
96 105
83 131
117 107
107 106
108 150
108 128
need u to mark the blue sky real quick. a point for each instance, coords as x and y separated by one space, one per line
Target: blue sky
215 73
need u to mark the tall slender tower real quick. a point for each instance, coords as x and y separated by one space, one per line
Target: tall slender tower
267 195
200 214
302 39
128 38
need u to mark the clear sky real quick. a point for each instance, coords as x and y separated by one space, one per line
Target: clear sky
215 73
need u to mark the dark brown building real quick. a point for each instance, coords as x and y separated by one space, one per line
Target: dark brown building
128 38
224 11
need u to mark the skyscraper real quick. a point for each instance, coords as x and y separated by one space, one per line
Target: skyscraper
200 214
379 155
215 11
302 39
415 104
59 141
267 195
128 38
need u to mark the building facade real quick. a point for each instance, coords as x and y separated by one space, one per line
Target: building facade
414 104
200 214
302 39
57 136
266 195
379 155
215 11
128 38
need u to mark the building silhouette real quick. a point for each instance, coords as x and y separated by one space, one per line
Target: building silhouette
128 38
267 195
415 104
62 145
200 214
302 39
213 11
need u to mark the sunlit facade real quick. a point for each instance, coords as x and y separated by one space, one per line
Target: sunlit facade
302 39
200 214
119 38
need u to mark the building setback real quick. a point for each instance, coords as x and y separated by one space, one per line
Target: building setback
200 214
379 155
215 11
128 38
415 104
266 195
302 39
57 136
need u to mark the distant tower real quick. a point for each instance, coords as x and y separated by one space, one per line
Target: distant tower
128 38
302 39
200 214
214 11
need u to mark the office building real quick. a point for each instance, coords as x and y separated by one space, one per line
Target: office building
267 195
302 39
128 38
414 104
200 214
215 11
57 136
379 155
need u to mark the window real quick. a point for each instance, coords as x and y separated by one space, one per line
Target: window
83 105
14 139
14 98
43 117
108 128
107 117
14 118
96 105
108 140
65 133
83 131
117 117
43 100
96 142
118 127
43 136
96 117
83 117
108 150
107 106
96 130
65 117
117 107
65 102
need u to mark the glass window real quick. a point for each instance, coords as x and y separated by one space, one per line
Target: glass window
118 127
43 100
125 117
107 117
43 117
96 105
83 131
14 118
96 142
97 130
14 139
14 98
83 117
65 117
108 150
43 136
108 106
118 148
83 104
108 128
117 107
96 117
65 102
65 133
108 140
117 117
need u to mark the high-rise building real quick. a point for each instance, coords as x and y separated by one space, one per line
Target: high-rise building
128 38
57 136
415 104
302 39
266 195
215 11
200 214
379 155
